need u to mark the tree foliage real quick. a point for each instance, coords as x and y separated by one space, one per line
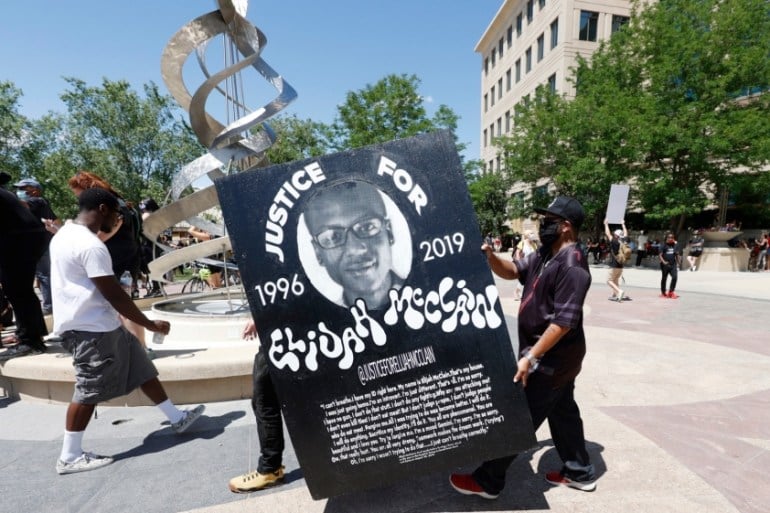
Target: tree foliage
137 143
390 109
662 105
489 198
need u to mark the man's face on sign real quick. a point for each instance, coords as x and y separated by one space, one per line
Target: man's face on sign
352 237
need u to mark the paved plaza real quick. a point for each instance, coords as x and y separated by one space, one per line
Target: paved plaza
675 397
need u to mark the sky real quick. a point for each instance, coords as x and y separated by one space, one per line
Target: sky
323 49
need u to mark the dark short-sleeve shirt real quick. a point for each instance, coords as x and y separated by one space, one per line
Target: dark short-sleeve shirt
554 292
668 253
41 209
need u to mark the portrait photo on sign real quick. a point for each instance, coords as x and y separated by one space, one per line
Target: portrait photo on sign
354 242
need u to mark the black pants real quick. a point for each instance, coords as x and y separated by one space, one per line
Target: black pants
665 270
267 411
559 407
640 254
17 272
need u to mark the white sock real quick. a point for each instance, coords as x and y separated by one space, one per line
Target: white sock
72 446
173 413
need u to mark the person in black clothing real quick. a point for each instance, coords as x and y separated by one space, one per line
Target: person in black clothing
267 411
30 191
147 207
23 240
556 280
669 265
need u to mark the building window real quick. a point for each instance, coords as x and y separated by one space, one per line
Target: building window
486 102
518 70
552 83
589 21
554 33
500 47
486 66
490 167
485 137
528 56
491 132
498 163
618 22
509 36
541 4
525 99
508 80
530 10
494 56
519 23
540 47
499 126
492 97
499 88
507 121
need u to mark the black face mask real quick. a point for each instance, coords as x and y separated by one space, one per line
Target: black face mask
549 233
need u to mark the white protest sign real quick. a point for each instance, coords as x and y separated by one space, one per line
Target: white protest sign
616 207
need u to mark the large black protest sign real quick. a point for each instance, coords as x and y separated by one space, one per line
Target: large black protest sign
377 312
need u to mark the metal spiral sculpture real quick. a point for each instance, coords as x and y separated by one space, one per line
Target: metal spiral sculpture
231 146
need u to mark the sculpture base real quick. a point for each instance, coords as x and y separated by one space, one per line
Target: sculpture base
723 259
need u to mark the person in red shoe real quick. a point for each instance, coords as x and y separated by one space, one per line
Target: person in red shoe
669 265
556 280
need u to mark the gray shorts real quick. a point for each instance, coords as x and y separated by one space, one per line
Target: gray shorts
107 365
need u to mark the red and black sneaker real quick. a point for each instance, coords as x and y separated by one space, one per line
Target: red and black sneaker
672 295
559 479
466 485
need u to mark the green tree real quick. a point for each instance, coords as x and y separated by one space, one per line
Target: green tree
490 201
136 143
669 104
11 124
390 109
296 139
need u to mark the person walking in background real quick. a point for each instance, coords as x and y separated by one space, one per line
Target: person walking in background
616 268
109 361
147 207
641 247
267 411
556 280
30 191
696 250
23 241
669 265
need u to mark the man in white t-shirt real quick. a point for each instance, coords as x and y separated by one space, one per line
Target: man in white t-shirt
109 361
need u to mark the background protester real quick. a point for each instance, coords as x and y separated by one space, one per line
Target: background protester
30 191
696 250
669 266
23 240
616 268
147 206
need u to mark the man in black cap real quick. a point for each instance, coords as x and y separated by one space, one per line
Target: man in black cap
556 280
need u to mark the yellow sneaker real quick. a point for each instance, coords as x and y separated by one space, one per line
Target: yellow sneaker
254 481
